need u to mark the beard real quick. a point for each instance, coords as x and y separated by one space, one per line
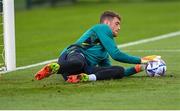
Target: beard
115 34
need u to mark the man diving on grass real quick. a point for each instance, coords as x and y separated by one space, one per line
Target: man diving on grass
88 59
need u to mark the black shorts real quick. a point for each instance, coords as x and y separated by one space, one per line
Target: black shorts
72 61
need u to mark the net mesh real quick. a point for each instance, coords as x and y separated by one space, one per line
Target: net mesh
2 61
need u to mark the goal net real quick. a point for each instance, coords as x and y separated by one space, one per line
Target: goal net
2 62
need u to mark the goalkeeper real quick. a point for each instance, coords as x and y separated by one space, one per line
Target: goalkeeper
88 58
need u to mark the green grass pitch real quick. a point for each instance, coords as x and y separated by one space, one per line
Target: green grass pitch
42 33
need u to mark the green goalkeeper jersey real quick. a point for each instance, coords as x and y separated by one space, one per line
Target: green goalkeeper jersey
98 44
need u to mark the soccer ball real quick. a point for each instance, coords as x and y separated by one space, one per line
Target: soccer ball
156 68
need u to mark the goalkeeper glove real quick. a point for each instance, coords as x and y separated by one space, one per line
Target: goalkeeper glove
150 58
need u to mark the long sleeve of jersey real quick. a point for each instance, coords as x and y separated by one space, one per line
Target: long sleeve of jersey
106 37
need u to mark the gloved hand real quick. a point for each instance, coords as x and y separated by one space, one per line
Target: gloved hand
146 59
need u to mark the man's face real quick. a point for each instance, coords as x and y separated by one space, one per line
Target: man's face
115 26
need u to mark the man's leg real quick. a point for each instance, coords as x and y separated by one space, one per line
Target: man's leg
105 73
72 63
68 63
117 72
99 73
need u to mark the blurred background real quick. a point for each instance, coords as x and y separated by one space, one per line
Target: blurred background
28 4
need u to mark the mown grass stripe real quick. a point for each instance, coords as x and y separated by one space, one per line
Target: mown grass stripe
164 36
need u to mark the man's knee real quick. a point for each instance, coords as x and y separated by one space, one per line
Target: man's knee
77 63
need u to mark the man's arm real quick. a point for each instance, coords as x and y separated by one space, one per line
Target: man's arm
105 35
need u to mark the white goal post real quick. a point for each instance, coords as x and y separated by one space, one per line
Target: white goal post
9 34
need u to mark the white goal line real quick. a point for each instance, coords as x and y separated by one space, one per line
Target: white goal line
160 50
164 36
